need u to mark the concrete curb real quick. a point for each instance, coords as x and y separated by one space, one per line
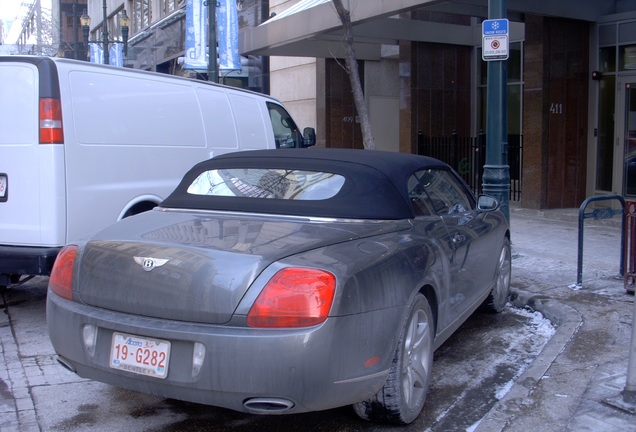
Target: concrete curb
568 322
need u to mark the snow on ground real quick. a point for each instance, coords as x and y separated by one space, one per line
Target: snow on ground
478 365
541 330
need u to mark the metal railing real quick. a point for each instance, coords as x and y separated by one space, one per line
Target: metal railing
467 156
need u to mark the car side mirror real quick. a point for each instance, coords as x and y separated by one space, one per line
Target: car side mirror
309 137
486 203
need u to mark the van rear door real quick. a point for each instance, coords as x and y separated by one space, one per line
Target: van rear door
32 197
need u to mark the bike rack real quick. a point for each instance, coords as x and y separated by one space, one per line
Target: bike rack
598 214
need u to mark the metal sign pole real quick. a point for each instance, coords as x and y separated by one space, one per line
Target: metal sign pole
496 180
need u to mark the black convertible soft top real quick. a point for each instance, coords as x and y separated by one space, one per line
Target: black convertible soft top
374 188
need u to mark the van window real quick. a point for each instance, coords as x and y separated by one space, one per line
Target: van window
285 131
112 109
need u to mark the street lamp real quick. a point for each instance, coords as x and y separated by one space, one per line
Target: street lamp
124 24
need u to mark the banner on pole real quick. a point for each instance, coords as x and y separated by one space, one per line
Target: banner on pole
196 30
228 29
115 54
227 26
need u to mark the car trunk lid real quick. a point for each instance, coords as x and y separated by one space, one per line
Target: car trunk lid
193 268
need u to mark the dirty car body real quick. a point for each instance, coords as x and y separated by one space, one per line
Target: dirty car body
274 282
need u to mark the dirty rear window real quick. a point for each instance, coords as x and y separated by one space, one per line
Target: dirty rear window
287 184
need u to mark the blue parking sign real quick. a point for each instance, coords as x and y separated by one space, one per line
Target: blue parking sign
495 27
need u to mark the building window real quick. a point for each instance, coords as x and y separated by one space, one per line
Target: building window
628 57
142 15
169 6
114 32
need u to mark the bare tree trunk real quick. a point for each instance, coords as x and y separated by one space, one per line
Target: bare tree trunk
354 75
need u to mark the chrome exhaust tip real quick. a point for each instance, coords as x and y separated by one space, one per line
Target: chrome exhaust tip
66 364
268 405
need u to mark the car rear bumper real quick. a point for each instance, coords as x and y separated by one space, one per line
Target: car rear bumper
251 370
27 260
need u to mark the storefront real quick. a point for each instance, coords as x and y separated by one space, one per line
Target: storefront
615 156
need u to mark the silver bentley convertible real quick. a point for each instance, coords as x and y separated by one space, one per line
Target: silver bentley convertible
285 281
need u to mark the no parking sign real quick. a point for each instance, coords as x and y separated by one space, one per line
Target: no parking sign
494 39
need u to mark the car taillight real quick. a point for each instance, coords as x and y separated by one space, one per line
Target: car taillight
61 280
294 297
51 131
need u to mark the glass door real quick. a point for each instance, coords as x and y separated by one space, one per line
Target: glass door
624 178
605 136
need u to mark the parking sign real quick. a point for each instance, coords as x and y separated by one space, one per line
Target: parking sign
494 39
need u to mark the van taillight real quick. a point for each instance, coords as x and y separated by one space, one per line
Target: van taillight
51 131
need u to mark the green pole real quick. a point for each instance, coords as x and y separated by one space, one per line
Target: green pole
105 34
213 70
496 180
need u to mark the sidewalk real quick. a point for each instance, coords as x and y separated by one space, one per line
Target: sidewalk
584 366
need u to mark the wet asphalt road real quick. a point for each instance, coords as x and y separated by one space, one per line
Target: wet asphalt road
471 371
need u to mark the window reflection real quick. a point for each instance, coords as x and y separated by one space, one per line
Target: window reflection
267 183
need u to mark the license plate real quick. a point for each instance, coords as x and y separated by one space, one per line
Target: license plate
3 187
140 355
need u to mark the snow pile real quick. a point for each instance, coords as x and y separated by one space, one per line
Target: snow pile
540 331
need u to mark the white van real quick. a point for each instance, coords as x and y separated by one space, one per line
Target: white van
84 145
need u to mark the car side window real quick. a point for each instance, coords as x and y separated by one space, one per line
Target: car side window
446 193
419 198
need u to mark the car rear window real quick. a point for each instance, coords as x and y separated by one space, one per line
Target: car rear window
267 183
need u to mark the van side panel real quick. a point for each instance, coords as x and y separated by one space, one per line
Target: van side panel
36 201
52 187
116 109
248 115
220 129
131 135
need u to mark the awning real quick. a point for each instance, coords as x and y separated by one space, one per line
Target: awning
312 28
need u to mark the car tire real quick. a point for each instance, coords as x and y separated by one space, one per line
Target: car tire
401 399
500 293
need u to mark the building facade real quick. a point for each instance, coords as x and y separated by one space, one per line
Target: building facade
69 35
571 70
